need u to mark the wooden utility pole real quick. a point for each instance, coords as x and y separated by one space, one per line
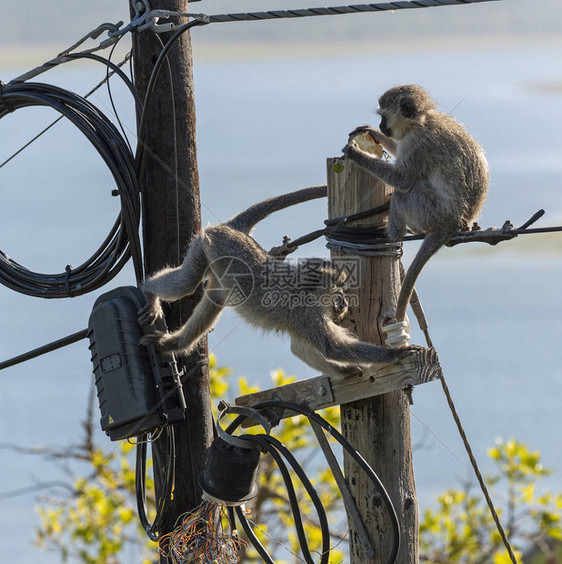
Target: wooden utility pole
378 427
171 218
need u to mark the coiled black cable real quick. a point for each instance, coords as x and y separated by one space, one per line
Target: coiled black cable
123 240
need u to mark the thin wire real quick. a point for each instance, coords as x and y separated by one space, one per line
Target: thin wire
112 101
333 11
476 468
275 540
467 446
141 148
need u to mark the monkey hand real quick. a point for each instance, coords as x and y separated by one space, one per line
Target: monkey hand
151 313
373 132
159 339
350 150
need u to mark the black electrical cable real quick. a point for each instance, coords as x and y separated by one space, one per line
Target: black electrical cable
252 537
115 68
321 512
154 529
336 221
53 346
278 451
293 502
123 240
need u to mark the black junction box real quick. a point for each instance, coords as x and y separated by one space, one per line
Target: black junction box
138 389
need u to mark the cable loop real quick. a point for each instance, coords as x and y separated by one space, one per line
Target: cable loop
388 249
123 240
113 33
4 102
279 451
243 441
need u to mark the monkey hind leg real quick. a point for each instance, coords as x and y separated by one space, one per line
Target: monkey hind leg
338 346
202 320
432 242
314 358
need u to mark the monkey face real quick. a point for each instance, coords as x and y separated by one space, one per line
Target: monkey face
384 126
393 123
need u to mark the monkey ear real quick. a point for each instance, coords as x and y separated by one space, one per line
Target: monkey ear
407 108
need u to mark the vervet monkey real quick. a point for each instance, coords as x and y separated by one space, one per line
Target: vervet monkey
230 260
440 174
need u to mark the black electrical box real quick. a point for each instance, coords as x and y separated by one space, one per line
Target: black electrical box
139 390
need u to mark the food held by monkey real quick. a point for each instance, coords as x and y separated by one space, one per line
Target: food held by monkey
367 144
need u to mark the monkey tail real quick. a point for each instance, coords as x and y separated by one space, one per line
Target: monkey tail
246 220
432 242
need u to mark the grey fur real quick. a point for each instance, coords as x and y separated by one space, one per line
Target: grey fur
440 174
315 335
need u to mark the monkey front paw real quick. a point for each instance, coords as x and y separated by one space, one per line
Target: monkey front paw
150 314
165 342
373 132
350 150
158 339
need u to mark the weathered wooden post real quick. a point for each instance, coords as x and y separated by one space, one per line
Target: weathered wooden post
171 218
378 427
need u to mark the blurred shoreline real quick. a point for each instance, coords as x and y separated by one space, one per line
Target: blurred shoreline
17 56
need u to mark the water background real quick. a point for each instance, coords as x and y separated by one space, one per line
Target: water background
266 126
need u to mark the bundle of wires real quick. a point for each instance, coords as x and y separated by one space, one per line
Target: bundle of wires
123 240
202 536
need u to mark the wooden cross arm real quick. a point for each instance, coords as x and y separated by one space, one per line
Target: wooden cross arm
325 391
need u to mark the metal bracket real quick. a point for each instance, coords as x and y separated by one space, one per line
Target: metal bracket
323 391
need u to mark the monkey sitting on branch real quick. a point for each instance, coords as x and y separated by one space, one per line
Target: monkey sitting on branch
440 174
234 267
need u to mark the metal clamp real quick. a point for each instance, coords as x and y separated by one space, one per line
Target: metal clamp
244 441
113 30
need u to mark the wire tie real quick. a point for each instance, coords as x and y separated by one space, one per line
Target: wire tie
68 270
6 103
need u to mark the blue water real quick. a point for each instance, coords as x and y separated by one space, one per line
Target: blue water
265 127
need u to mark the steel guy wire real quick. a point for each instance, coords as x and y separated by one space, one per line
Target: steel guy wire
308 12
